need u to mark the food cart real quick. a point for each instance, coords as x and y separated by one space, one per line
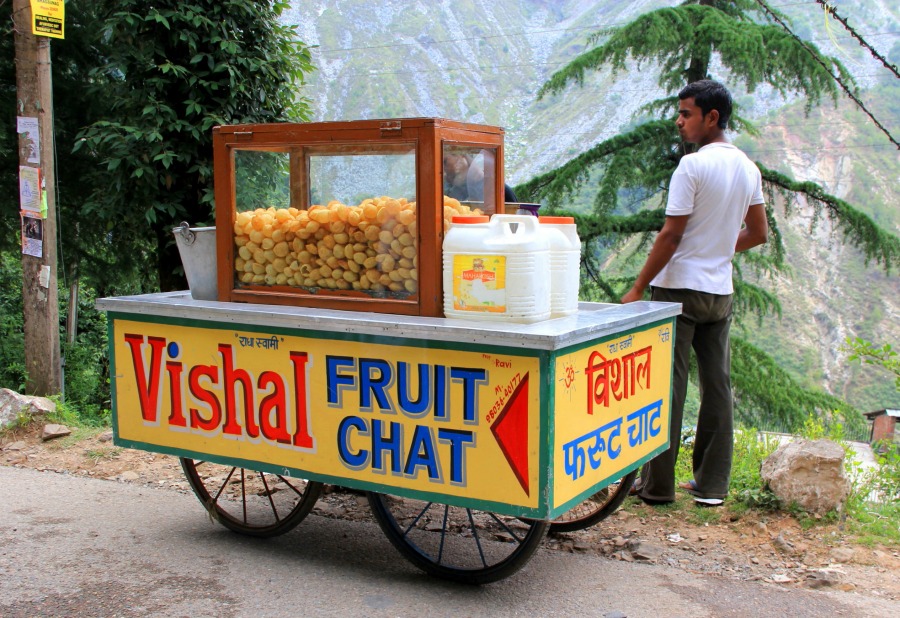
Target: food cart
468 436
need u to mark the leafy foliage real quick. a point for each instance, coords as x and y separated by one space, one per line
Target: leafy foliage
172 72
681 40
87 367
870 354
9 153
12 339
859 229
658 137
751 449
765 394
138 89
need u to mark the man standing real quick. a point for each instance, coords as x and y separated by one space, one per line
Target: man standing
715 209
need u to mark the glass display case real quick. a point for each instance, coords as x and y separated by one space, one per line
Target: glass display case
348 215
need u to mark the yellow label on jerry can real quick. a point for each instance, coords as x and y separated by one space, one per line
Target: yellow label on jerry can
479 283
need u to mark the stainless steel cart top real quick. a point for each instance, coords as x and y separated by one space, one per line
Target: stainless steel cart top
593 320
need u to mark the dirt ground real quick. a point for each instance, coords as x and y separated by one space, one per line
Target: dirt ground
771 547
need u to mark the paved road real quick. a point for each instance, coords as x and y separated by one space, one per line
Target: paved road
73 546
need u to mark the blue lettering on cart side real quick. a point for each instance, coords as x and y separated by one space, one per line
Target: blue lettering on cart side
422 453
381 446
390 443
441 393
420 406
354 460
471 380
382 387
375 377
459 440
337 381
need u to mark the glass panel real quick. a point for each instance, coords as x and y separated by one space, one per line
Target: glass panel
469 179
262 179
341 218
351 178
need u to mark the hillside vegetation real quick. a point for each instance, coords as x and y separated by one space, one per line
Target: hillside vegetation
484 61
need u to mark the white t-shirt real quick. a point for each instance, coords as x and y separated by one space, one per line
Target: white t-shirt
715 186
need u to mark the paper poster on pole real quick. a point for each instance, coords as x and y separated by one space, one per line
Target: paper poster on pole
48 18
32 236
29 139
30 189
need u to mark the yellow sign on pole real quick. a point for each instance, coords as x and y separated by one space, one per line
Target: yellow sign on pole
48 18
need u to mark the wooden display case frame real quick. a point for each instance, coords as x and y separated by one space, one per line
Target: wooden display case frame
426 135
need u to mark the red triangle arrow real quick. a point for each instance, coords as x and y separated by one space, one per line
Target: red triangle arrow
511 432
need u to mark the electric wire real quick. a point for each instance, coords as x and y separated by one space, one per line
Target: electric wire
830 10
836 78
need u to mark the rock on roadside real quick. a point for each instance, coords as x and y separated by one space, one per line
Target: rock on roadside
13 406
808 473
53 431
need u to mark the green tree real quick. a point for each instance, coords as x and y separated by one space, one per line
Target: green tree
680 43
71 59
137 93
868 353
172 71
88 245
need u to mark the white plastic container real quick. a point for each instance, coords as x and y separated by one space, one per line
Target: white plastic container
494 273
565 263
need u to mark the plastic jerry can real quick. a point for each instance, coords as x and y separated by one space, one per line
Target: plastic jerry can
565 263
494 272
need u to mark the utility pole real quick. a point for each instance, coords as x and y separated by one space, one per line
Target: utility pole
34 99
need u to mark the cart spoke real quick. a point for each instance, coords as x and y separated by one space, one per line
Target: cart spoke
475 535
285 480
416 520
505 527
244 495
224 485
268 494
443 533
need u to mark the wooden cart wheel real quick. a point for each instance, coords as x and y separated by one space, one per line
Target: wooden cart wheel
248 501
596 508
455 543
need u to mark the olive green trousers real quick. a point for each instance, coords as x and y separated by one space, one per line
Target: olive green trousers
703 325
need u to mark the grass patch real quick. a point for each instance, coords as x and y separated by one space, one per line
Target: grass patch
104 453
78 435
701 515
72 415
872 511
879 525
21 423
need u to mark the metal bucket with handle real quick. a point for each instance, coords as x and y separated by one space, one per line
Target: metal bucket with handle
197 247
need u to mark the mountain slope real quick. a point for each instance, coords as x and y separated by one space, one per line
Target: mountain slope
483 61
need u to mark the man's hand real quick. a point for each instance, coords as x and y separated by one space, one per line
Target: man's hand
632 296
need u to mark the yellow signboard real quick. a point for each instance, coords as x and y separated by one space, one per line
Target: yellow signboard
48 18
372 415
612 406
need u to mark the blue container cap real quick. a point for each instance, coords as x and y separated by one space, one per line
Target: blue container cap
523 208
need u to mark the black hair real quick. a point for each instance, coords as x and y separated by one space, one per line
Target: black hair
709 95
